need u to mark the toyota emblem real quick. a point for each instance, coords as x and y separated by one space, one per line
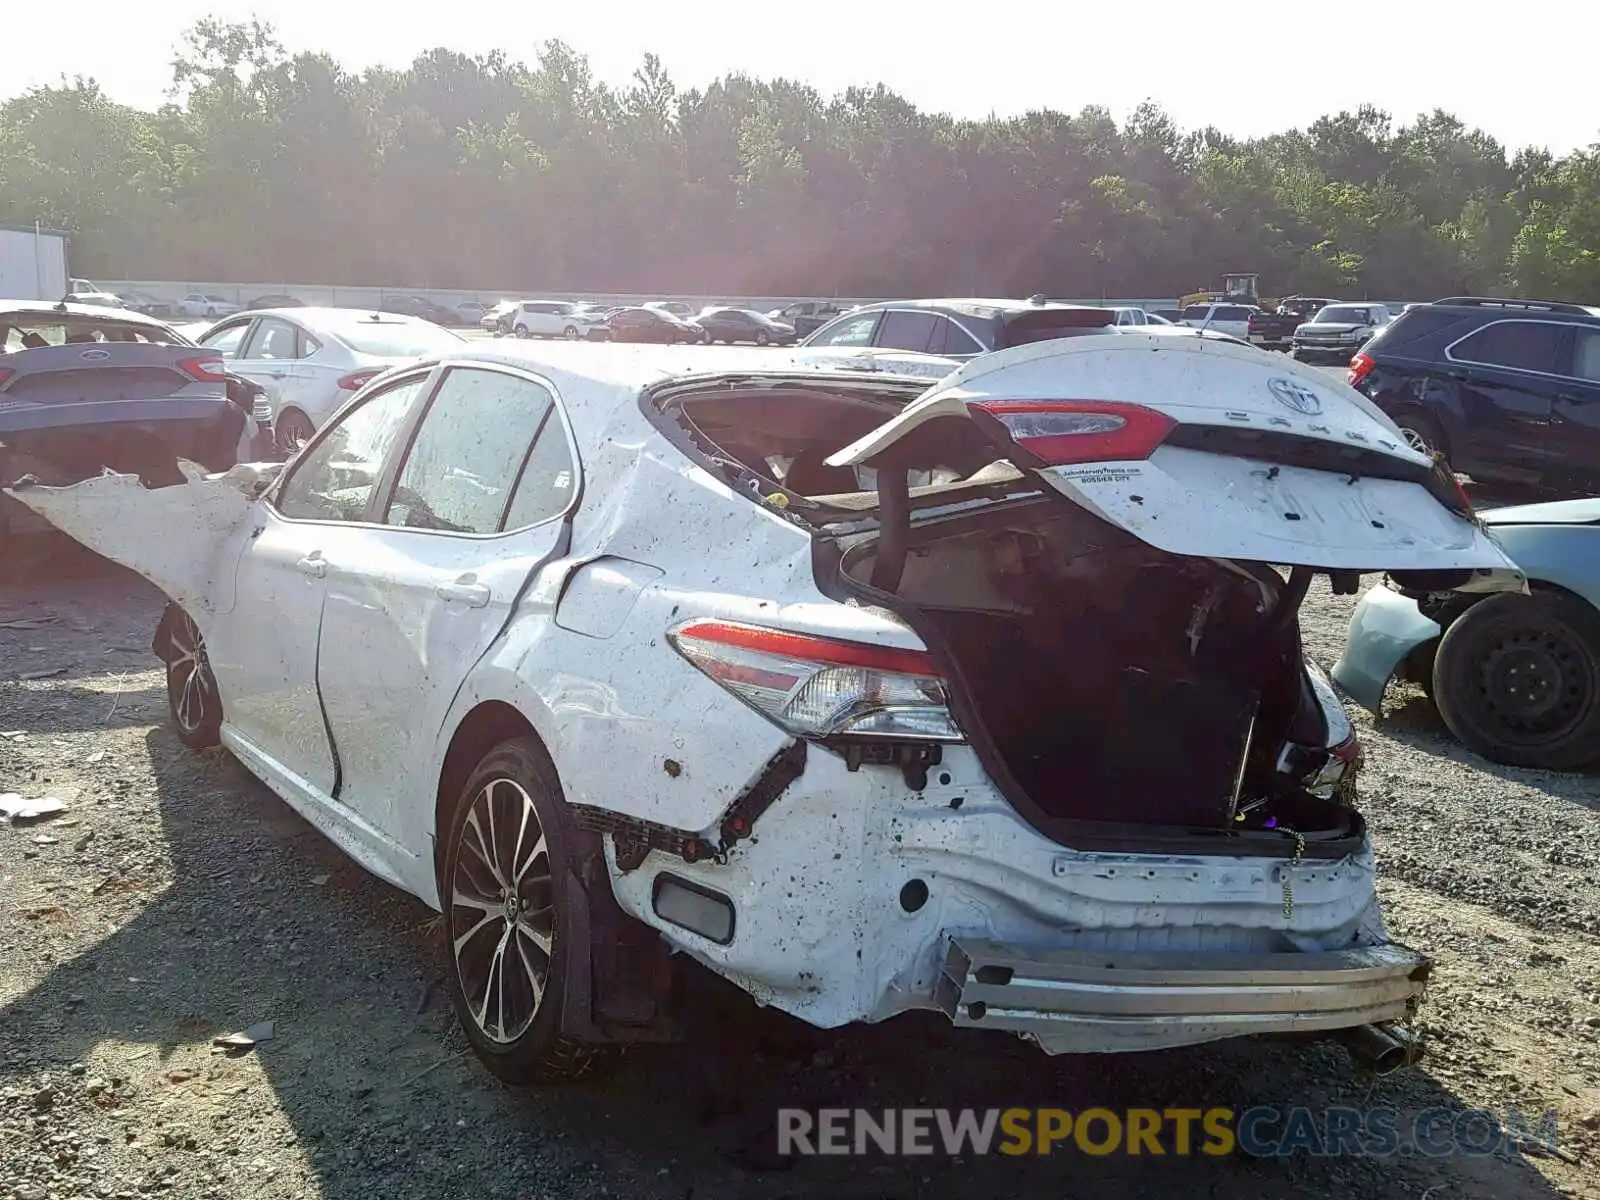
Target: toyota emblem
95 355
1295 395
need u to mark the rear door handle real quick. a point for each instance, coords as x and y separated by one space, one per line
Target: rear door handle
473 595
313 565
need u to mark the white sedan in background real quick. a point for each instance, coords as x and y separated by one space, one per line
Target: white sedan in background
206 304
311 360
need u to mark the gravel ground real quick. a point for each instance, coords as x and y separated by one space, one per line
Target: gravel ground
177 900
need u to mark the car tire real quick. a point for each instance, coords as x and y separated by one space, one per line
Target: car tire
499 891
761 337
292 429
1517 680
520 331
570 333
193 701
1420 431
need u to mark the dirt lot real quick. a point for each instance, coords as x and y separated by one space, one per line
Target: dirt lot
176 900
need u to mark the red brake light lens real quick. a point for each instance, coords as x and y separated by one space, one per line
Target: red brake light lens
5 374
1360 367
818 687
357 380
1061 432
207 369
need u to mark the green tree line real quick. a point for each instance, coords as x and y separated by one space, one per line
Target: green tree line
486 172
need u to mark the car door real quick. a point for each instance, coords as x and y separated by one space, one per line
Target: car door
1575 415
907 329
268 357
1501 382
477 504
265 655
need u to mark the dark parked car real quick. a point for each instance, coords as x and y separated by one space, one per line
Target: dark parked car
808 316
147 303
1505 389
85 388
418 306
959 328
744 325
275 300
649 325
1275 330
678 308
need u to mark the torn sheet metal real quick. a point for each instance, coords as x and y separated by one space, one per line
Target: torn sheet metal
177 537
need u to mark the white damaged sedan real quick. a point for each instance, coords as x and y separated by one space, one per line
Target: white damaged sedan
985 697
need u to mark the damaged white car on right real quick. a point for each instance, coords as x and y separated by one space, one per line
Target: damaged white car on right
986 697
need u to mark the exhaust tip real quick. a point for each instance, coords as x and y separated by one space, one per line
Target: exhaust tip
1385 1047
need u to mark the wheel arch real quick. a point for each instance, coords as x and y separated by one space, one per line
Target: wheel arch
294 410
484 727
618 973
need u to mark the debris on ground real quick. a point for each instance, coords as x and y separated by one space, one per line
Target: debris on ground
19 811
247 1040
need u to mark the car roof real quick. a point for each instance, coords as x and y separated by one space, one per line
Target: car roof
46 308
1498 308
598 382
311 314
974 307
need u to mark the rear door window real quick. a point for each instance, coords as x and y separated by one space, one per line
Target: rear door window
1517 345
950 338
272 339
464 462
1586 355
1196 312
903 330
1232 312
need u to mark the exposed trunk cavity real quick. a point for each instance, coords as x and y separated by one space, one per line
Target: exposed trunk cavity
1113 682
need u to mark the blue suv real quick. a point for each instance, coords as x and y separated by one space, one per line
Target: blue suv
1506 389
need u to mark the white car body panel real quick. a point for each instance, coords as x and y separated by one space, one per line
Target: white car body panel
576 645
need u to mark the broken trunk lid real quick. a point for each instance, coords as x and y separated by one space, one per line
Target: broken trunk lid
1209 450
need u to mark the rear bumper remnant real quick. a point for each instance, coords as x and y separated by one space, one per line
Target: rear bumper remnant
1072 1001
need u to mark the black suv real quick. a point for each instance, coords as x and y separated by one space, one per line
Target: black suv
1506 389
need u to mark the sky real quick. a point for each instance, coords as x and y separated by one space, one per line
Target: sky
1526 80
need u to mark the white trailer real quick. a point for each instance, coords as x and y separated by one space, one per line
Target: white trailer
33 264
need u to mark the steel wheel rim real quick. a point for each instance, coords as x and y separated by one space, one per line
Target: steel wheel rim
502 911
1535 686
190 672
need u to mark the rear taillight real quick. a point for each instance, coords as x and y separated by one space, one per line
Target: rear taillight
1059 432
1445 485
357 380
5 374
205 369
1360 367
817 687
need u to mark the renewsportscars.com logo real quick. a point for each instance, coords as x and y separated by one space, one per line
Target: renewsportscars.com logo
1261 1131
